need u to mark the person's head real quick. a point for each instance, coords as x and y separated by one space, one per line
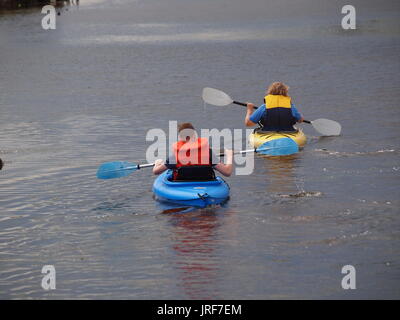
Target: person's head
186 131
278 88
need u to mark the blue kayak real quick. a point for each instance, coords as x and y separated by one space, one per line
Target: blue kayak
190 193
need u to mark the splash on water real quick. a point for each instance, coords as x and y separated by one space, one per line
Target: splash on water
302 194
357 153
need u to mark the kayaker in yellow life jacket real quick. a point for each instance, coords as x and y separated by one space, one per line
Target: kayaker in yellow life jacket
278 113
193 158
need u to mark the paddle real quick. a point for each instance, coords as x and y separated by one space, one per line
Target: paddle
286 148
119 169
326 127
217 97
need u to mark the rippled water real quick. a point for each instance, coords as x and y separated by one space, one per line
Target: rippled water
89 91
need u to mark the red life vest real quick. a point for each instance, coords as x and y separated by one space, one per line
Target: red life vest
192 153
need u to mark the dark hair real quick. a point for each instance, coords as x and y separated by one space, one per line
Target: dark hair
186 131
185 125
1 164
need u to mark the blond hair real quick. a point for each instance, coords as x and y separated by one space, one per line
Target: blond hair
278 88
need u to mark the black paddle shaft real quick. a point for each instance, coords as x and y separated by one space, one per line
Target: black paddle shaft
242 104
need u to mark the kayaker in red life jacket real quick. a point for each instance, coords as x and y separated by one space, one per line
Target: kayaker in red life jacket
193 158
278 113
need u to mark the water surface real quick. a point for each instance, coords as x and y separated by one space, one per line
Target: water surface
88 92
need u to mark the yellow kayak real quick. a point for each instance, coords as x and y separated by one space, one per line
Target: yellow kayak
280 143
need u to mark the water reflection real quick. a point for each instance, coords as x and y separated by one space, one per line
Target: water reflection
194 243
280 174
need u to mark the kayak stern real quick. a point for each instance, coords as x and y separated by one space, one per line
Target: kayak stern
280 143
190 193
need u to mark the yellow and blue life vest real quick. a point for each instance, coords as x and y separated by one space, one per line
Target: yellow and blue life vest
279 115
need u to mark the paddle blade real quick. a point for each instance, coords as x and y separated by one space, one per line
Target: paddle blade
278 147
216 97
327 127
116 169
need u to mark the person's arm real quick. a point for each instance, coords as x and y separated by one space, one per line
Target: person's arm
159 167
253 117
297 114
250 111
226 168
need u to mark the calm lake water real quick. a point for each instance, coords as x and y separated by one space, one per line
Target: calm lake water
89 91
